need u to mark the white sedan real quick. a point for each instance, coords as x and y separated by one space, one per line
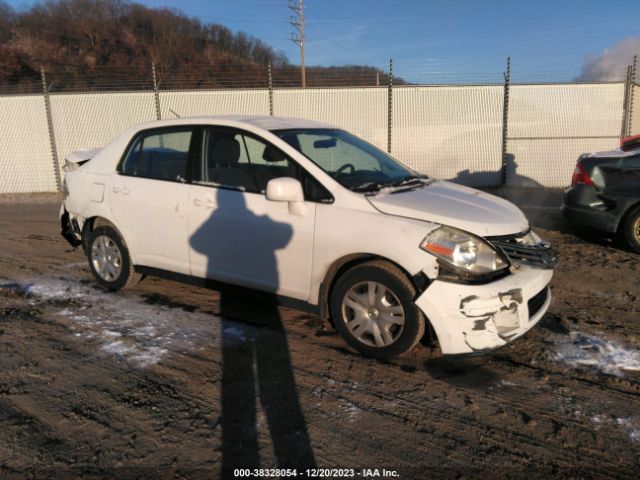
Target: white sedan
315 218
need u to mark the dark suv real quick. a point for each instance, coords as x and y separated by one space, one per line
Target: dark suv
605 192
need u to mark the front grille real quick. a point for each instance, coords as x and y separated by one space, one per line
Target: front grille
536 302
542 256
527 250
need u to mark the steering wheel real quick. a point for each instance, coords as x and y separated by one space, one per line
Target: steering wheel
343 168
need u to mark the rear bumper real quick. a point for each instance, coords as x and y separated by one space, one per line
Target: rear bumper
479 318
582 205
69 228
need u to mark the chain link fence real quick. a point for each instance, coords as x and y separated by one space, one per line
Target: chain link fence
551 125
635 110
25 151
454 132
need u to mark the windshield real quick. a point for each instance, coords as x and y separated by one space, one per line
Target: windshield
351 161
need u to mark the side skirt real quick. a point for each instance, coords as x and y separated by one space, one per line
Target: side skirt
266 297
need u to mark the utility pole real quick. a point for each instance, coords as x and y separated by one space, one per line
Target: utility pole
297 22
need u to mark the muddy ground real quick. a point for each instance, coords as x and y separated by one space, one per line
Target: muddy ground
133 384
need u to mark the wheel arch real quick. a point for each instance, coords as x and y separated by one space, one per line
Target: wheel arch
419 281
629 233
91 223
623 218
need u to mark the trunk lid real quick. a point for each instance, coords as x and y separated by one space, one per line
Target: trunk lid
74 160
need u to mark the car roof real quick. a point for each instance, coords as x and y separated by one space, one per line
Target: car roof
618 153
259 121
103 159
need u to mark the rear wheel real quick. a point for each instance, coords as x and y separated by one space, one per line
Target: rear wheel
373 310
109 259
632 229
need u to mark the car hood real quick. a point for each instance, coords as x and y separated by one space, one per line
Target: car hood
450 204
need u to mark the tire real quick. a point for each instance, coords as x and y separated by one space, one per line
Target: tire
370 318
109 259
632 229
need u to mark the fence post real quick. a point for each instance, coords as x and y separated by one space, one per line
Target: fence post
156 94
625 105
390 105
632 82
505 121
270 90
52 136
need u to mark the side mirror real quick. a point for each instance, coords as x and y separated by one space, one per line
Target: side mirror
286 189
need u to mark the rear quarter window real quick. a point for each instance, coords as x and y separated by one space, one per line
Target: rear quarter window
159 155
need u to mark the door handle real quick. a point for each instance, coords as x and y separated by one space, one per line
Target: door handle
119 189
204 202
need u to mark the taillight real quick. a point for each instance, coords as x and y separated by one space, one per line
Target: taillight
580 176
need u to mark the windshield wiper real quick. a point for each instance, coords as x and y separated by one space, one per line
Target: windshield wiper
415 180
409 180
368 187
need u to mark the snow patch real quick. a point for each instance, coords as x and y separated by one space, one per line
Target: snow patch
118 348
79 265
350 409
55 289
139 333
110 333
581 350
632 426
236 333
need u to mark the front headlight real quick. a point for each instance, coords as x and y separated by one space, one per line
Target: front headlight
463 251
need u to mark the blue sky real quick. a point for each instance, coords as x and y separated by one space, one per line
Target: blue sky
437 40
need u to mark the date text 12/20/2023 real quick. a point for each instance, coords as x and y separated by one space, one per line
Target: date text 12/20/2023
315 473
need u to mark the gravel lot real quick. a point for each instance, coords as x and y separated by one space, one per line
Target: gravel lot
134 384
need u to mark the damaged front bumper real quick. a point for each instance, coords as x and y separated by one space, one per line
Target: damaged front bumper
479 318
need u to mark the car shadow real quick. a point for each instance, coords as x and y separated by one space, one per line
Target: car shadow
255 361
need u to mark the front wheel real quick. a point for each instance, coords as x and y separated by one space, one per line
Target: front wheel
373 310
109 259
632 229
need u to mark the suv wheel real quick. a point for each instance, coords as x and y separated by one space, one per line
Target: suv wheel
632 229
109 259
372 308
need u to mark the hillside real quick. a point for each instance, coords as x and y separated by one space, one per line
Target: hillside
111 44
